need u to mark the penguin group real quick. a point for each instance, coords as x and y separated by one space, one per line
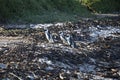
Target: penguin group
66 39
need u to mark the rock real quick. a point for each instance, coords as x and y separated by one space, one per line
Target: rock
3 66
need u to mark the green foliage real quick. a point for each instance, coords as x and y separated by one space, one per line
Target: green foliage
103 6
9 8
26 11
36 10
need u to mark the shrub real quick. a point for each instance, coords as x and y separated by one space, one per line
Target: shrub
103 6
19 10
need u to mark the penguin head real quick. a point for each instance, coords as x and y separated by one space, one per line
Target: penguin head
68 36
45 29
61 33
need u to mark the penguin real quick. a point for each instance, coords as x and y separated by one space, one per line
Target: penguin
62 37
48 35
70 41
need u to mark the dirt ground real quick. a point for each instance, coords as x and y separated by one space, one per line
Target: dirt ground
26 54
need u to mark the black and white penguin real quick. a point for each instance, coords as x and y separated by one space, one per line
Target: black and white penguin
62 37
48 35
70 41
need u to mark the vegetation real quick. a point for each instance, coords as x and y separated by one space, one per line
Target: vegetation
42 11
103 6
36 11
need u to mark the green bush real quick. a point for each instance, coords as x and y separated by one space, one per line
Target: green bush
25 10
103 6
